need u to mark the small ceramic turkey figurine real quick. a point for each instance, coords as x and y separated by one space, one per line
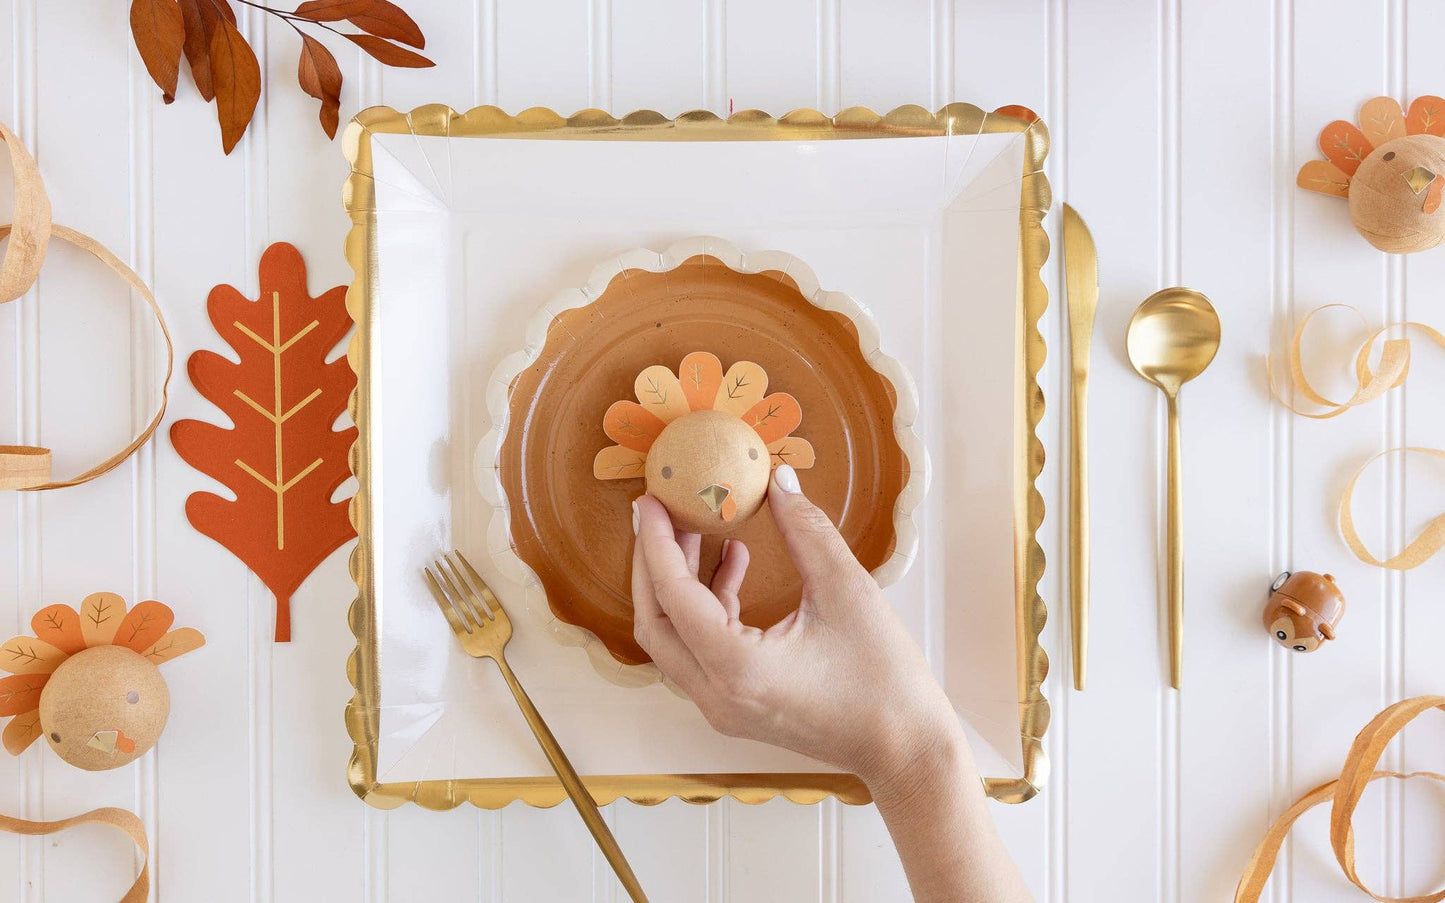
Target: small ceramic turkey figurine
1391 168
704 440
1304 609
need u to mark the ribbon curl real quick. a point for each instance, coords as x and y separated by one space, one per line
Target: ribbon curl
28 467
1345 792
121 819
1370 384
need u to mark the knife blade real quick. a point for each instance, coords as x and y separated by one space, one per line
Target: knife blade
1081 280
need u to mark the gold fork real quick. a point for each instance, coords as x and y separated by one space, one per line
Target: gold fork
480 622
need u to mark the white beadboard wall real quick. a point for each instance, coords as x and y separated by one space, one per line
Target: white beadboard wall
1177 128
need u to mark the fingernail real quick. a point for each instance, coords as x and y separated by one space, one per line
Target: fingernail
787 478
724 555
635 521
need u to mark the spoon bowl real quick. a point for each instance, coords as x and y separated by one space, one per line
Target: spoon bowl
1172 337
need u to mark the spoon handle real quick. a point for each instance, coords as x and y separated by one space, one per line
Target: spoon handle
1174 549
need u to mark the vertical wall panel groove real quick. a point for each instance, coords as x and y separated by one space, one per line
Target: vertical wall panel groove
143 379
715 57
27 361
830 69
1056 740
259 600
1394 653
1170 228
599 88
1281 424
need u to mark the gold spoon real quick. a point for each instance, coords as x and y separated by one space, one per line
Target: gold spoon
1172 337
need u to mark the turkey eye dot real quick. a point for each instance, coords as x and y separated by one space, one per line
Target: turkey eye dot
1389 155
1280 634
54 738
132 697
752 454
1299 649
667 473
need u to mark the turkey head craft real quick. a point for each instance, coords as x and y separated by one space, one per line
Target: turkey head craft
704 440
1391 169
1303 610
88 682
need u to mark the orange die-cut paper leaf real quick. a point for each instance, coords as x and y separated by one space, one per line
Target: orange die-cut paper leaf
1345 145
1382 120
27 655
174 645
617 462
21 693
1324 177
143 625
1426 116
100 617
794 451
21 732
701 375
774 417
632 426
59 625
282 460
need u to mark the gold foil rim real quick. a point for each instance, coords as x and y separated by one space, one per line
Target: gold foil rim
438 120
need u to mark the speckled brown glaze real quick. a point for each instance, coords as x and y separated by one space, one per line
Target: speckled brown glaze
575 531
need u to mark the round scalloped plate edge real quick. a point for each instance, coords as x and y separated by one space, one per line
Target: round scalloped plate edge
499 412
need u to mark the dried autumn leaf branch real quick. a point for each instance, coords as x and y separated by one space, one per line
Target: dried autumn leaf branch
225 69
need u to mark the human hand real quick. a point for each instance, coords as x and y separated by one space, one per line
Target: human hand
839 679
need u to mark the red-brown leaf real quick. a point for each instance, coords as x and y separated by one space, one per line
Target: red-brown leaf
200 18
387 20
378 17
321 78
332 10
282 459
389 53
237 79
159 34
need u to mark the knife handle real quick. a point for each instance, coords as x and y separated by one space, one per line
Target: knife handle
1079 527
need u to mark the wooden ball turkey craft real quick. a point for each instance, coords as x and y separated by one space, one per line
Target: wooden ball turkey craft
704 440
88 681
1391 168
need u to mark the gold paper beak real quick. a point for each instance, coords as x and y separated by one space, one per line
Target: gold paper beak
713 495
111 742
1418 178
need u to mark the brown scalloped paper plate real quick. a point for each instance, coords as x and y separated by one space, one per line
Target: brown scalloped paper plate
574 531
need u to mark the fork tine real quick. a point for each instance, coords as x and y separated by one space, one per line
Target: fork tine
460 595
486 591
479 611
458 625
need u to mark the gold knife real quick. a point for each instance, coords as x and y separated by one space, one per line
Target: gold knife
1081 278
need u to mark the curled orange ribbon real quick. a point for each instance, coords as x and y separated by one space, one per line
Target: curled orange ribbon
1370 383
116 818
23 466
1345 792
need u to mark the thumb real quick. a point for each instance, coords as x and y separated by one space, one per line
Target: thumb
814 544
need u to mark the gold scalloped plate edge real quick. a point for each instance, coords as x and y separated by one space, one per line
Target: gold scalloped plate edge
487 473
438 120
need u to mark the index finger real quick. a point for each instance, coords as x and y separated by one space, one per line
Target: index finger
699 617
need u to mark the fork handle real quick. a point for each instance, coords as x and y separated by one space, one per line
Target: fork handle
576 790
